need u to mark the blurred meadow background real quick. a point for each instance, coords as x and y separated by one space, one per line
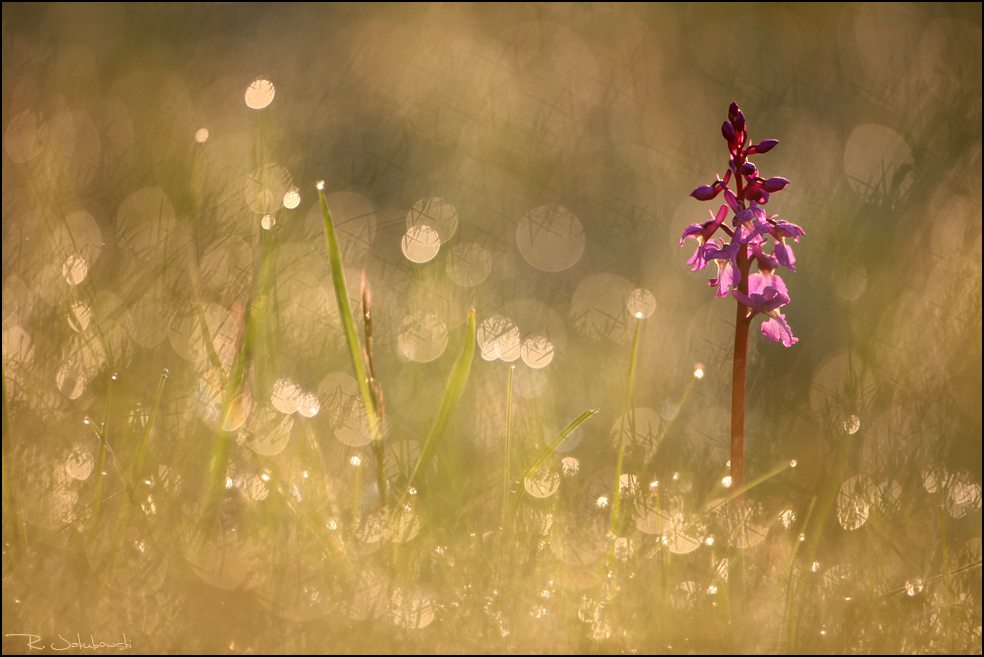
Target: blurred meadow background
162 232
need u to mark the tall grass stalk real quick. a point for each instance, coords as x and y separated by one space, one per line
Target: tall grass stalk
456 383
100 483
505 461
352 341
626 409
547 451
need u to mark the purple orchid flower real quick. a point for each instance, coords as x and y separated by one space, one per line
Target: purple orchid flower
767 294
751 229
702 233
783 252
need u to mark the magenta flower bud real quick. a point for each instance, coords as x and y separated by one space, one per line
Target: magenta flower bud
739 121
732 201
729 133
705 192
775 184
765 145
748 169
733 111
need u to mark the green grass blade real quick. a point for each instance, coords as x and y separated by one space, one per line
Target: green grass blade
549 449
145 439
345 312
354 346
555 443
456 383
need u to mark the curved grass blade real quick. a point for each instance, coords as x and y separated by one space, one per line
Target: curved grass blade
456 383
345 312
352 339
549 449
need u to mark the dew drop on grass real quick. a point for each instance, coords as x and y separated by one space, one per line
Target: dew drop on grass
259 94
421 243
308 406
74 269
201 135
256 489
80 463
412 611
542 483
436 214
537 351
852 424
641 303
286 396
853 502
292 199
498 337
79 317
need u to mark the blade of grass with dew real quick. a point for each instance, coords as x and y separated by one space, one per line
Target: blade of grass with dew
145 439
626 409
549 449
377 396
351 335
97 492
126 509
456 383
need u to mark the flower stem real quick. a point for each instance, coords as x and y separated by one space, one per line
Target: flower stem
742 322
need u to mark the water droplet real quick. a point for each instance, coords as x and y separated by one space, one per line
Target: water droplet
914 586
259 94
201 136
421 243
74 269
292 199
641 303
537 351
852 424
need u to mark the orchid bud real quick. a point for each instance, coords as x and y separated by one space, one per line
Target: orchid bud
739 121
765 145
705 192
729 133
775 184
748 169
733 111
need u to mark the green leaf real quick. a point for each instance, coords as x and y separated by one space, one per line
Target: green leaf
348 323
456 383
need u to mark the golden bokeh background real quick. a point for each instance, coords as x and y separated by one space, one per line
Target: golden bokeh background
532 161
